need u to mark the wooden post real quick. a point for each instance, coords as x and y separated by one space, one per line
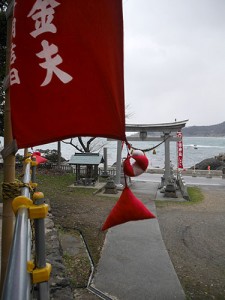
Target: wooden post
8 169
59 154
105 161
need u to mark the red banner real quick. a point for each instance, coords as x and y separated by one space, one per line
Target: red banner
66 71
180 151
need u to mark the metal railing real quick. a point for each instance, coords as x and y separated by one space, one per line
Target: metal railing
20 275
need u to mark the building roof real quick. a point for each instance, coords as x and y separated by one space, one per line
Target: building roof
86 159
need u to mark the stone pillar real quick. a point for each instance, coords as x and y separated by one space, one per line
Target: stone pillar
194 174
118 162
168 184
223 173
167 159
105 172
209 175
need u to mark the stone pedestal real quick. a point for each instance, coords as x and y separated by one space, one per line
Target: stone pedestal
110 187
209 175
170 191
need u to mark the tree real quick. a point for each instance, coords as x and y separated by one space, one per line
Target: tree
3 37
51 155
89 144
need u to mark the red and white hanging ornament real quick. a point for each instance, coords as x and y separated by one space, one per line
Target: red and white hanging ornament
135 164
128 207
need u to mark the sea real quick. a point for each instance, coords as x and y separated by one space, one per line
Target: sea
195 149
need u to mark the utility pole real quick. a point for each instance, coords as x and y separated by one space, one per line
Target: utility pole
59 154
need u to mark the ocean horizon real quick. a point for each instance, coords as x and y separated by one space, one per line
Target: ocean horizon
195 149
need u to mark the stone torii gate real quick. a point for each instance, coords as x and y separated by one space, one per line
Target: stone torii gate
168 131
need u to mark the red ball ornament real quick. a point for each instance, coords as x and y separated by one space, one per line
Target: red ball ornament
138 166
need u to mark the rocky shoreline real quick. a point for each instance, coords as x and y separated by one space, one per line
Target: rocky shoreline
215 163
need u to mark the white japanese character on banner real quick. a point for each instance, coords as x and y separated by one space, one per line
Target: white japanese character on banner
51 63
43 13
14 22
13 54
14 77
14 27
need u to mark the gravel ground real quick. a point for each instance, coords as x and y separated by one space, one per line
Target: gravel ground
194 236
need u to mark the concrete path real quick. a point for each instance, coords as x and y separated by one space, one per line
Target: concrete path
134 264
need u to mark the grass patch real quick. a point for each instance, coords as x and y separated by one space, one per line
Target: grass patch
195 196
78 269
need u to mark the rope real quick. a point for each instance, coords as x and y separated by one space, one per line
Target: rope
152 148
12 189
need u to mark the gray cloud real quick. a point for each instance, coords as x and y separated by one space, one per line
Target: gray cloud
175 60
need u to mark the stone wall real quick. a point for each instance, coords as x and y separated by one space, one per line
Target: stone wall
59 282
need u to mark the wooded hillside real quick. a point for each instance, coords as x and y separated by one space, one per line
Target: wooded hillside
212 130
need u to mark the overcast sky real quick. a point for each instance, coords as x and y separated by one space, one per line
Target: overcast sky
175 60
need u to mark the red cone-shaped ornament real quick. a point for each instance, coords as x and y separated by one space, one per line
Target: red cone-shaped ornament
128 208
39 158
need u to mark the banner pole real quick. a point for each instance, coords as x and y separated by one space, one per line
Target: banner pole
8 167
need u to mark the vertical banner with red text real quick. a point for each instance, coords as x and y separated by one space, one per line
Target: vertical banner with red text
66 70
180 150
